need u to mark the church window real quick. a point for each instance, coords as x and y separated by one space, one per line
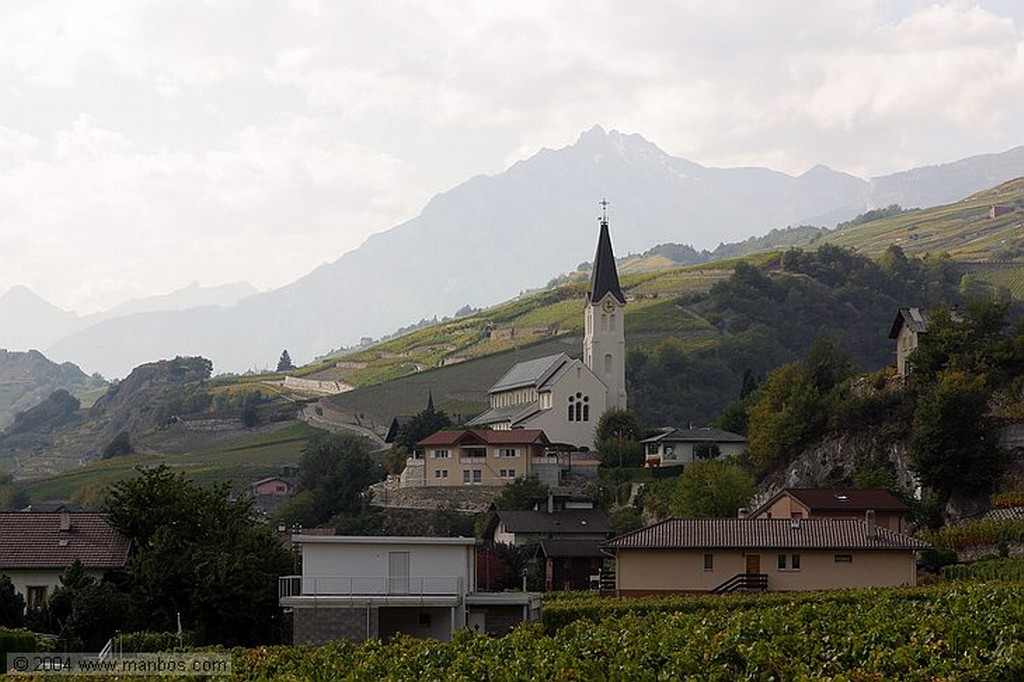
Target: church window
586 408
604 322
571 413
608 363
579 407
611 323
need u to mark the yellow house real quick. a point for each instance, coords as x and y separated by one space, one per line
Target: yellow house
722 555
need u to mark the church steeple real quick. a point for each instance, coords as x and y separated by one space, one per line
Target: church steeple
604 337
604 277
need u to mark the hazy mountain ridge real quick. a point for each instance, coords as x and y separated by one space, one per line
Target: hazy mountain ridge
494 236
28 378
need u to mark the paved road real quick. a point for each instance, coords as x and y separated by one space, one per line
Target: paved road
310 416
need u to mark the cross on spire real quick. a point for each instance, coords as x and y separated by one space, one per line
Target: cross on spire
604 211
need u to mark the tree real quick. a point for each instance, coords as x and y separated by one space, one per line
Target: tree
521 494
953 446
618 437
710 488
285 363
198 553
120 445
335 471
423 424
12 604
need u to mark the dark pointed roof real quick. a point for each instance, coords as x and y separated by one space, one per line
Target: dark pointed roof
604 278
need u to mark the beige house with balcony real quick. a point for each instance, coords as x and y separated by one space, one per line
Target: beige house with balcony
476 457
361 588
723 555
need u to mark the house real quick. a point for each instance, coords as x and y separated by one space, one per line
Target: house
720 555
677 447
476 457
563 396
274 485
835 503
36 547
361 588
906 330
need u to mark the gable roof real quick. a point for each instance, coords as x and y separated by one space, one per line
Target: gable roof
568 521
765 534
34 540
571 549
696 436
838 499
486 437
604 278
508 413
530 373
914 318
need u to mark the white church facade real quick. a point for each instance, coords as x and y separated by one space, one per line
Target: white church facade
561 395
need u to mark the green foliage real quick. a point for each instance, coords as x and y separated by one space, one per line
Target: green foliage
15 641
959 632
953 444
284 364
335 471
625 519
617 438
521 494
992 569
120 445
710 488
12 604
423 424
152 642
198 553
976 533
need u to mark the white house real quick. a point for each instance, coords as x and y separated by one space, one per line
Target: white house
36 547
562 396
677 447
375 587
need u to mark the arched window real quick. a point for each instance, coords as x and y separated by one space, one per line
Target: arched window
579 407
611 322
608 363
586 408
572 409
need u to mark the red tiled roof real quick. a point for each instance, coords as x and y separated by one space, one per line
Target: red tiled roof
763 534
486 436
35 540
840 499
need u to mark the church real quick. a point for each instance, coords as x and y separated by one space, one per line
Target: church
562 396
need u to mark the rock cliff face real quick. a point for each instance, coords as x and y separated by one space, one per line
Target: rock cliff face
837 457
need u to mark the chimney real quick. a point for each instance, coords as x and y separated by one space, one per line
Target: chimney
869 518
743 513
65 520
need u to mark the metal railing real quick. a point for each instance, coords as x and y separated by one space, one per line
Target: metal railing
369 586
753 582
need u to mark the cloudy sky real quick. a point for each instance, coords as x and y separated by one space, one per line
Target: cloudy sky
148 143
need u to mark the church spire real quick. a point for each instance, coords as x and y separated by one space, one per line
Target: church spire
604 278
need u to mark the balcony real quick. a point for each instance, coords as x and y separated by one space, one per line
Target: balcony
369 586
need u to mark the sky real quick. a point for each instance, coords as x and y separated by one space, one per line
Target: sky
146 144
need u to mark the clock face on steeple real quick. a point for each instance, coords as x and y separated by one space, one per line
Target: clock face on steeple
608 306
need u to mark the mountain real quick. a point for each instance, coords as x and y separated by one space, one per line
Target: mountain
27 321
492 237
28 378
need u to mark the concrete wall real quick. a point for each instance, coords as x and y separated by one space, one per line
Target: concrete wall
437 622
652 571
320 625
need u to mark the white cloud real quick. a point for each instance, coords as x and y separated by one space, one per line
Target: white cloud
146 144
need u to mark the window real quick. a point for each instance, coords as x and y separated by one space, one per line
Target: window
442 454
507 473
425 619
586 408
709 562
478 476
36 595
608 363
844 558
465 476
782 562
441 473
795 563
611 322
508 452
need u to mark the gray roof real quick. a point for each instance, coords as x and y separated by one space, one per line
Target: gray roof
764 534
509 413
696 436
569 521
604 278
914 318
530 373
